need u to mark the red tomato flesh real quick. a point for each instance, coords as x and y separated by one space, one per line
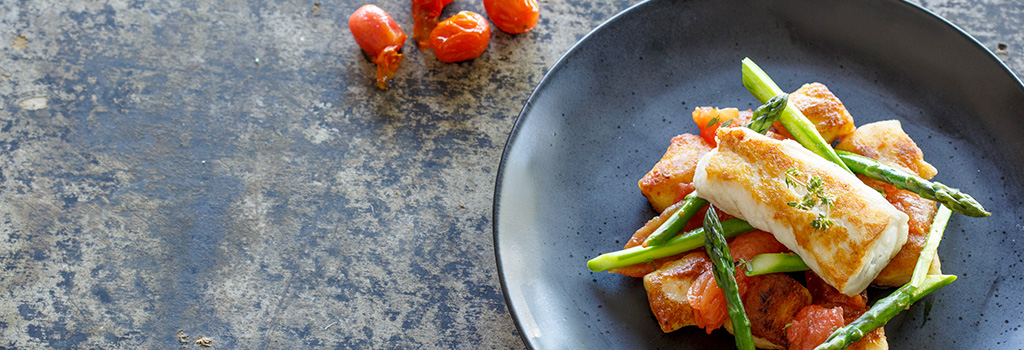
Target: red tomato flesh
424 15
708 119
708 302
461 37
513 16
378 34
812 325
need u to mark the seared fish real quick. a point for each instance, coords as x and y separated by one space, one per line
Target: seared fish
747 176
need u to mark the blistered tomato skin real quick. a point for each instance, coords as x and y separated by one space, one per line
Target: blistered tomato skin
381 37
513 16
424 15
461 37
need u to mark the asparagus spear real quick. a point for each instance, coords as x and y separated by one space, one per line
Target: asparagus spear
675 223
768 113
931 244
776 262
725 271
883 311
957 201
763 88
678 244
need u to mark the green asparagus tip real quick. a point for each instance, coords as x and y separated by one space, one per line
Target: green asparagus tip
951 197
768 113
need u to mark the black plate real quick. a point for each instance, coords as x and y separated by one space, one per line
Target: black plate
566 190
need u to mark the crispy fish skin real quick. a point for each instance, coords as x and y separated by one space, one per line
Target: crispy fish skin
745 176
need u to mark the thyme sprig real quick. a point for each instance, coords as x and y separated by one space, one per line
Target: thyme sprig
815 194
716 120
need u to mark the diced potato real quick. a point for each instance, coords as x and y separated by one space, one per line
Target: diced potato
887 142
671 179
823 109
874 340
667 287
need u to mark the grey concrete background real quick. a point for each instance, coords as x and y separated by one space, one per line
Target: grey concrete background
227 169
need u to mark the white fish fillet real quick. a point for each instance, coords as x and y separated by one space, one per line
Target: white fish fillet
746 177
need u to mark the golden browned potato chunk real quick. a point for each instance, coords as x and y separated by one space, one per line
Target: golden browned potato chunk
823 109
667 288
671 179
887 142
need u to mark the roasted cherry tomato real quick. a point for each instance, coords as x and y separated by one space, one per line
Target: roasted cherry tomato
424 15
513 16
461 37
381 38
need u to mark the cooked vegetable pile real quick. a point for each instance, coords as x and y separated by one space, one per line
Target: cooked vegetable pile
862 212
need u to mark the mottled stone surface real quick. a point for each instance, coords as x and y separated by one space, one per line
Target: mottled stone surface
229 170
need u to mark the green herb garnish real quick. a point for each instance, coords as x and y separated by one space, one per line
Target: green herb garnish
815 194
821 222
711 122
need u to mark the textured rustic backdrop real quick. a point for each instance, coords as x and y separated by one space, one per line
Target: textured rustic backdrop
228 170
